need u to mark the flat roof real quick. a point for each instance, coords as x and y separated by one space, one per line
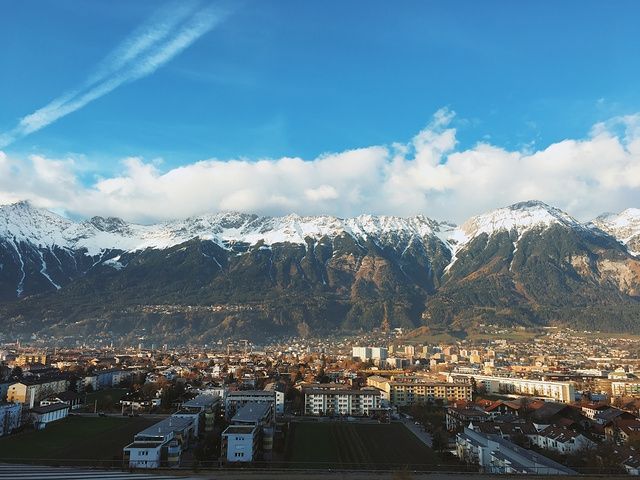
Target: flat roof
320 391
202 400
251 393
165 426
252 412
235 429
54 407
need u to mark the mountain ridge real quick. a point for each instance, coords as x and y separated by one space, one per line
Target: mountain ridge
244 274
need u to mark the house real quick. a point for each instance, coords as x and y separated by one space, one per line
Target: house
42 416
10 417
458 417
562 440
72 399
497 455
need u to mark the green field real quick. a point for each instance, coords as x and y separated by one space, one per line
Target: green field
107 399
74 441
344 445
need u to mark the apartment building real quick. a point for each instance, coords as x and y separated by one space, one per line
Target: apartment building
560 391
160 445
30 391
202 410
378 354
625 389
235 400
28 358
10 417
250 435
403 391
340 401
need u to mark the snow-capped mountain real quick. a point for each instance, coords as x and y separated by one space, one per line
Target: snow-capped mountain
21 222
519 218
625 226
236 273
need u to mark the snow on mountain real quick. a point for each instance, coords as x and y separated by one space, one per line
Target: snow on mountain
624 226
521 217
21 222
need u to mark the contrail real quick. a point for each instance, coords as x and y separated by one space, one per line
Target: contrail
165 35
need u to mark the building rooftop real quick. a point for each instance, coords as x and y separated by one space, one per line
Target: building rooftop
251 393
54 407
251 413
164 427
202 401
239 429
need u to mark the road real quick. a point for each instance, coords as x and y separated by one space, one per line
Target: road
418 431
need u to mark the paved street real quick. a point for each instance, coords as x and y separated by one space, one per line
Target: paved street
418 431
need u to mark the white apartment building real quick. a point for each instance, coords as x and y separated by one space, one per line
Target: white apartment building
340 401
559 391
160 445
379 354
235 400
250 437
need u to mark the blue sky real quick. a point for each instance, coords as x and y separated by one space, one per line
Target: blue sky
279 79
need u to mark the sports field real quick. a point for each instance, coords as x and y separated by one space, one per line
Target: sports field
88 441
344 445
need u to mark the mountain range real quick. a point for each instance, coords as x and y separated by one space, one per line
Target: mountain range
235 274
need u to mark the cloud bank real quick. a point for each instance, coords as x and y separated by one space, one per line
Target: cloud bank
426 175
166 34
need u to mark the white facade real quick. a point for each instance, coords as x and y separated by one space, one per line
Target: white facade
560 391
42 416
340 402
241 443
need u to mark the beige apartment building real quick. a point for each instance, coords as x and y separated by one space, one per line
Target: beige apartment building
30 392
403 391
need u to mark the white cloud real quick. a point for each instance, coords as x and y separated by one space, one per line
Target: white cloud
427 175
157 41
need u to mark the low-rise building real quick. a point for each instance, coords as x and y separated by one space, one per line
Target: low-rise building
72 399
10 417
42 416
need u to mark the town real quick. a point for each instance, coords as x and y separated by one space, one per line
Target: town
555 401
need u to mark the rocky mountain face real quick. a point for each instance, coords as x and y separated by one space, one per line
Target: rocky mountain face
236 274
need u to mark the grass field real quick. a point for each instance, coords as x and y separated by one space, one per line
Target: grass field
107 399
350 445
74 440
